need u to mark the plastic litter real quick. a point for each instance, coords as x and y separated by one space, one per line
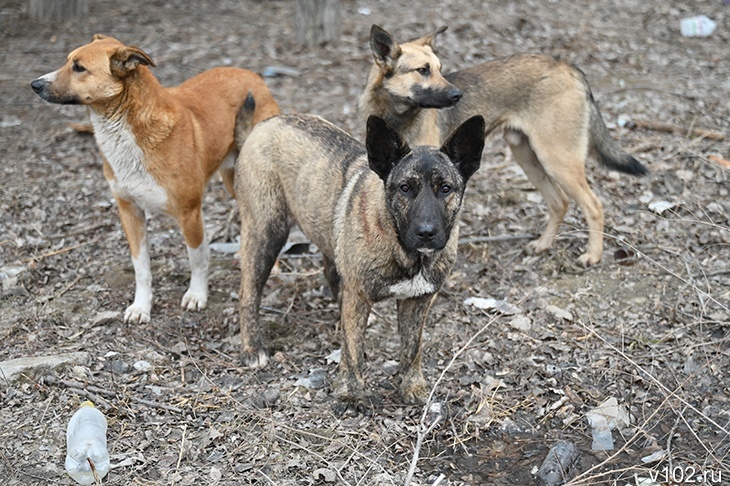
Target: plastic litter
86 445
699 26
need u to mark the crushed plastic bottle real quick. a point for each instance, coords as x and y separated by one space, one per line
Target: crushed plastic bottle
699 26
86 442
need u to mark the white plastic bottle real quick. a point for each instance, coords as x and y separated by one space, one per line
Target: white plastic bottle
699 26
86 439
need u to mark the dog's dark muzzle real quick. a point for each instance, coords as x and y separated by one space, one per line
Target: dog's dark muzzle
437 98
43 89
425 237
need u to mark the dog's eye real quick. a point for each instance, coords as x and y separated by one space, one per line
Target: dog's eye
423 71
405 188
445 189
78 68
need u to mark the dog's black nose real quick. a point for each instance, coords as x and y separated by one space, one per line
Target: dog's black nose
455 95
38 85
426 232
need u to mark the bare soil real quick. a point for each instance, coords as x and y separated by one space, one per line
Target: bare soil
650 330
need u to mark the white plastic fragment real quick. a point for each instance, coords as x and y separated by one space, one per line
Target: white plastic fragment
661 206
698 26
603 419
501 306
655 457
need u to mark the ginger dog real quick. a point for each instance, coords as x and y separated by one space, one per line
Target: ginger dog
160 145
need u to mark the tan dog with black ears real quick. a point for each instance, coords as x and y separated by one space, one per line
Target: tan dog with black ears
544 107
160 145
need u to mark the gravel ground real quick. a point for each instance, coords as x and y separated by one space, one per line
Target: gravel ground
649 330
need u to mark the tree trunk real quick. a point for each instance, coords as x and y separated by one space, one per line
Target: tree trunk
58 10
318 21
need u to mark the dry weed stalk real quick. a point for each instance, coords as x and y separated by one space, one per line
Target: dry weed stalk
425 428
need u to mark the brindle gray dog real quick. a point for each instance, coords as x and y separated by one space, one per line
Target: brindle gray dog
384 217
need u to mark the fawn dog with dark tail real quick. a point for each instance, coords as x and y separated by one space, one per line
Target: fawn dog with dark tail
384 216
160 145
545 107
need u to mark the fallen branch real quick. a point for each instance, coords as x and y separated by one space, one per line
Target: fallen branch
676 129
493 239
90 391
37 258
724 163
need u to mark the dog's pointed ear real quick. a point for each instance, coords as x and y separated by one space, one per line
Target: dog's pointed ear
464 146
100 37
385 49
125 59
385 147
428 39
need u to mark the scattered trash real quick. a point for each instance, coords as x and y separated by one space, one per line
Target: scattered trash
334 356
10 121
501 306
328 475
106 317
559 313
655 457
275 71
660 207
699 26
559 466
625 256
142 365
9 276
640 481
521 323
87 457
363 11
226 248
317 378
603 419
391 367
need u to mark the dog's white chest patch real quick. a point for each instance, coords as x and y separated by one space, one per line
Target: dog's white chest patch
117 143
414 287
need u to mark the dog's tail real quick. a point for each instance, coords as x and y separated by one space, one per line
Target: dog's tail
605 149
244 120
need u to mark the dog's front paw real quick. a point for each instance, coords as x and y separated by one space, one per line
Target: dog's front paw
414 389
136 314
540 245
194 300
254 358
587 259
361 404
351 396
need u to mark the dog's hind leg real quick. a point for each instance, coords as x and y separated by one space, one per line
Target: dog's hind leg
576 187
227 171
555 199
562 156
263 234
332 276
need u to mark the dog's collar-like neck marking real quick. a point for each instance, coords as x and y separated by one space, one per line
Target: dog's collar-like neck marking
413 287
